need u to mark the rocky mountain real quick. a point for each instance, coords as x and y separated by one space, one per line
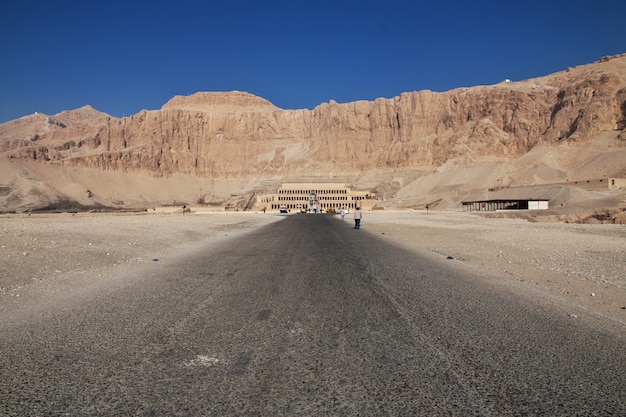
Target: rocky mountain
245 144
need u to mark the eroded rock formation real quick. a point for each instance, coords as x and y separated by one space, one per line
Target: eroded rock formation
236 134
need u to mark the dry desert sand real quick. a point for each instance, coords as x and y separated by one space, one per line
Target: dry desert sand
580 266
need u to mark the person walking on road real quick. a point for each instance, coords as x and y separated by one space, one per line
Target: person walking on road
357 218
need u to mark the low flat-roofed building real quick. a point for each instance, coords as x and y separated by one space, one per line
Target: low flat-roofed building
501 204
319 197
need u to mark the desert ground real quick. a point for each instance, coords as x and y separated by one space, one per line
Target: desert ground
581 266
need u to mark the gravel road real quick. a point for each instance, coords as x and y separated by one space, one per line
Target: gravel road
305 316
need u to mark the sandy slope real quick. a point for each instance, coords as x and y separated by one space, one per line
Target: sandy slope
582 266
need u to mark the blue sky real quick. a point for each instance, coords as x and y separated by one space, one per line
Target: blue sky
125 56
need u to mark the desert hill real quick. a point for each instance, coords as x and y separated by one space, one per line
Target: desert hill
418 148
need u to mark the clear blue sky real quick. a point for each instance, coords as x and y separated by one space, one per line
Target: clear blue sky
125 56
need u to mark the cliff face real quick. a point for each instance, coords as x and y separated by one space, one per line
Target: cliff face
238 136
241 135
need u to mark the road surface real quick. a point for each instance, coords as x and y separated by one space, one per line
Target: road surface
306 316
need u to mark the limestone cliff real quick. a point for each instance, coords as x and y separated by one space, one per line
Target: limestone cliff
239 135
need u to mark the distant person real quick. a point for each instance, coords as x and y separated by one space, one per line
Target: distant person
357 218
343 213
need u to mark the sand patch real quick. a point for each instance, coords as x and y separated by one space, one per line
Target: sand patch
582 265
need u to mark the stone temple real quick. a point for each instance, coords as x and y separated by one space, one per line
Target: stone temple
315 197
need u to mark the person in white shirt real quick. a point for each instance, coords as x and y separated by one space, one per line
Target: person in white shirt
357 218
